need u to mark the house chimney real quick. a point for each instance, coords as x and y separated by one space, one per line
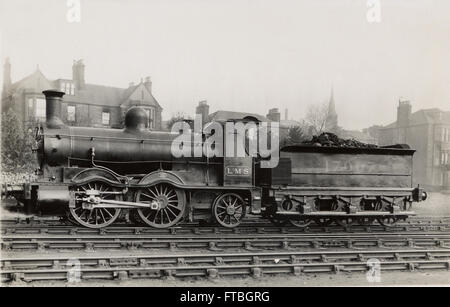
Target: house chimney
6 75
78 74
53 101
403 113
286 114
148 84
274 115
203 110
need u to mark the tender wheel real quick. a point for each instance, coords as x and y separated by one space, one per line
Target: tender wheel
346 221
167 205
85 213
388 221
365 221
229 210
301 223
323 222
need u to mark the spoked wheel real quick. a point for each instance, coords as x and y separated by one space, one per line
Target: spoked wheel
167 205
323 221
301 223
85 213
346 221
229 210
388 221
365 221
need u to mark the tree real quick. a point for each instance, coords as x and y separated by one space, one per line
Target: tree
16 152
178 117
296 135
316 117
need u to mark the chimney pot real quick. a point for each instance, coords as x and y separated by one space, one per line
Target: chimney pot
148 84
203 110
403 113
78 74
274 115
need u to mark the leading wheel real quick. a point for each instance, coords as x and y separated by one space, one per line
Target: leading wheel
167 205
85 213
229 210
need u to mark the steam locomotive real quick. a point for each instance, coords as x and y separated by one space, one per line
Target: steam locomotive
99 175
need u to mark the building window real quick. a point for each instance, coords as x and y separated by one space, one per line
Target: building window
151 117
68 88
30 106
40 107
105 118
445 134
444 158
71 111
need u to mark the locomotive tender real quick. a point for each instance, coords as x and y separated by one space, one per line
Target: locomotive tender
97 175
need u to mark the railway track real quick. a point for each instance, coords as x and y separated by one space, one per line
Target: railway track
245 229
220 264
214 242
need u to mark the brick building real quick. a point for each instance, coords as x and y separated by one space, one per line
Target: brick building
428 132
84 104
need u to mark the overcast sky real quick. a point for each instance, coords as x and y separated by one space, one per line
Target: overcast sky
244 55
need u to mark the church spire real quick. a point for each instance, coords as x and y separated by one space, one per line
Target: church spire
331 106
331 122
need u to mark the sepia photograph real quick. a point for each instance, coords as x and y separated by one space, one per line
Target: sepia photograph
222 152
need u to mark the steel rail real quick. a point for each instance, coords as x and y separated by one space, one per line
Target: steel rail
213 265
18 243
201 230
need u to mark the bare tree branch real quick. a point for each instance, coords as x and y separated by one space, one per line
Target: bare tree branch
316 117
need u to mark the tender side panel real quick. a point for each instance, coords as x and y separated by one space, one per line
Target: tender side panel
316 169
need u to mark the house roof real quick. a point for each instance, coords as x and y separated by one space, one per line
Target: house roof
139 95
426 116
92 94
222 115
96 95
36 82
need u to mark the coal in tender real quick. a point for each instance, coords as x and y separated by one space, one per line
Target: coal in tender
328 139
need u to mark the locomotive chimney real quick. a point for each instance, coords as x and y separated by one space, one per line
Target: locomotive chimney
53 100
